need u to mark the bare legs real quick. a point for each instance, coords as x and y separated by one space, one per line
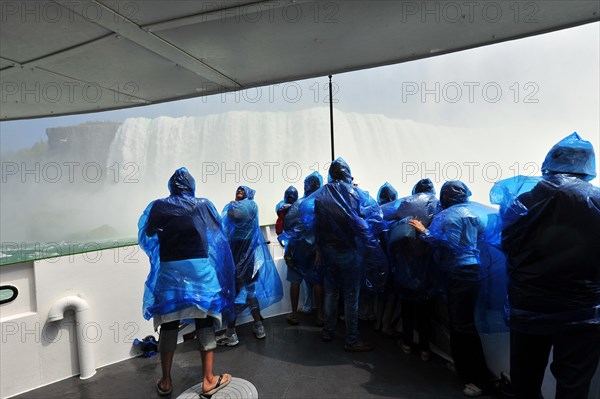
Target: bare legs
209 380
206 343
256 314
166 361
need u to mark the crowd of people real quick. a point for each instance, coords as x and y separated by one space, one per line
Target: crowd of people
404 254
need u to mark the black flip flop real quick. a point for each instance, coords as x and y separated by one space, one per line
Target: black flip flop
217 387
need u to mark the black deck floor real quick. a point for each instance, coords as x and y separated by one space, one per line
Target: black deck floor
291 362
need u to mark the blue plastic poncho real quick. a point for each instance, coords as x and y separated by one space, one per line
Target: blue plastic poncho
190 260
387 193
422 205
454 232
282 208
299 252
490 315
306 208
551 243
346 221
390 209
424 186
505 193
467 233
289 197
312 183
251 255
415 274
571 155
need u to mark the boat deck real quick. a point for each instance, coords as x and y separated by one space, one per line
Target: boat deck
291 362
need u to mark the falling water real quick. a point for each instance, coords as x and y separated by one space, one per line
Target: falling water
267 151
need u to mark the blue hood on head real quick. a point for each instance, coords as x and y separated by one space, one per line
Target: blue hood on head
340 171
248 192
312 183
182 183
454 192
291 195
386 194
423 186
571 155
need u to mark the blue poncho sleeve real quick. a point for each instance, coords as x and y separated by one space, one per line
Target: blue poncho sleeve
505 193
371 212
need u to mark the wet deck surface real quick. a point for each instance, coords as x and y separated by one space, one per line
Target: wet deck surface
291 362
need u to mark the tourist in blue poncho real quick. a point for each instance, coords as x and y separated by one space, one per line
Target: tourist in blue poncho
257 282
387 193
386 300
191 274
300 255
552 239
454 233
416 276
346 222
283 207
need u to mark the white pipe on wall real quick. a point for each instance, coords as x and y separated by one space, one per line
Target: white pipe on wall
87 363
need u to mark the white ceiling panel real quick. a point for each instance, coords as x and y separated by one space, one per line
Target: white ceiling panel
122 65
40 93
34 29
167 50
149 12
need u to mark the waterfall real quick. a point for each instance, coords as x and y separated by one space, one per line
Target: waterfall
267 151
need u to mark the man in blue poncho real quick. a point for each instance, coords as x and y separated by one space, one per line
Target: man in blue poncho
300 255
415 273
553 252
191 274
257 282
346 222
454 233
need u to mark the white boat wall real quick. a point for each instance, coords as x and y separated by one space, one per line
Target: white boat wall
36 351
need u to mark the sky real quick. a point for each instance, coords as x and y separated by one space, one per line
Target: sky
546 82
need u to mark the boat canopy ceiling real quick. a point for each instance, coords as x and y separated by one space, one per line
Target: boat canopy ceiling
75 56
